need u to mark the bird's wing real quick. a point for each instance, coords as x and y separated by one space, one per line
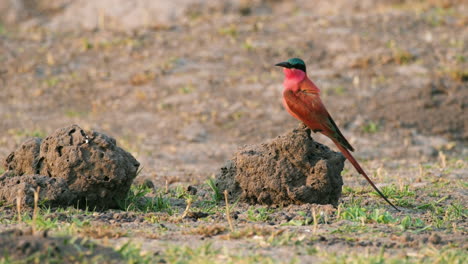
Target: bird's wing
307 105
340 138
303 109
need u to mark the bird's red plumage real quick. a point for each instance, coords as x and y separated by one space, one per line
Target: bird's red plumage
301 98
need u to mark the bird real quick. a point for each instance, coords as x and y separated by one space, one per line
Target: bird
301 98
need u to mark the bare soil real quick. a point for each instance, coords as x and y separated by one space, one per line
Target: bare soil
182 98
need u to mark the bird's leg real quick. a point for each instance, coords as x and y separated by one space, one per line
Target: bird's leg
303 126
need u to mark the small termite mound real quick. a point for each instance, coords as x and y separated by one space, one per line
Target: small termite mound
73 167
290 169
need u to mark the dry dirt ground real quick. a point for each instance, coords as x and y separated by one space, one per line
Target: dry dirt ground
183 97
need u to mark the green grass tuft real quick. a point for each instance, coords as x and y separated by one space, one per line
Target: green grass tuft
137 200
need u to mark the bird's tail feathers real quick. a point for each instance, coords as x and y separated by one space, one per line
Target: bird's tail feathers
338 135
356 165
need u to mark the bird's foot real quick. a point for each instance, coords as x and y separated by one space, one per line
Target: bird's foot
303 126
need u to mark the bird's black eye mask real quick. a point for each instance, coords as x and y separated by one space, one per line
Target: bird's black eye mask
294 63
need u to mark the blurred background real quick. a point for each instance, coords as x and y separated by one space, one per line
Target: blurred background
182 84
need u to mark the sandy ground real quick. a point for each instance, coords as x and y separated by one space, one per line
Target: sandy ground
182 98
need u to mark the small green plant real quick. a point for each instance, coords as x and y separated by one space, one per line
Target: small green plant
348 190
137 200
399 55
74 226
306 219
248 45
353 213
392 190
86 44
217 195
434 205
460 58
443 216
2 30
178 192
41 221
381 217
44 223
187 89
52 81
258 215
408 222
229 31
456 211
357 213
354 191
402 56
370 127
404 196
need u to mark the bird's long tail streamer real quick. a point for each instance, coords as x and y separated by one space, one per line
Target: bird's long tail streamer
356 165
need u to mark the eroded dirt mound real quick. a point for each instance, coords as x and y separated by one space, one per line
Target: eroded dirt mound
23 244
22 160
71 166
53 191
291 169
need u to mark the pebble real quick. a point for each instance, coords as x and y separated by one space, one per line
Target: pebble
435 239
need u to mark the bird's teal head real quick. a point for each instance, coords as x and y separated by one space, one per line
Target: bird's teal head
293 63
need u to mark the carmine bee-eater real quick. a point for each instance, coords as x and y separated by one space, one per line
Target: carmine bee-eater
301 98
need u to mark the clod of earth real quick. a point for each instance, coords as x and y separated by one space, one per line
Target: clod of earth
291 169
72 167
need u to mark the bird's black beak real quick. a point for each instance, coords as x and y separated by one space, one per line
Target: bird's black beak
284 64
